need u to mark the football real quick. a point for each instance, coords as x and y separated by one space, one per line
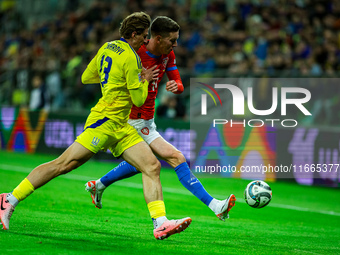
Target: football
258 194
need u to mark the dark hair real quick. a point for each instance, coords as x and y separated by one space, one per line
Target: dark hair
135 22
163 25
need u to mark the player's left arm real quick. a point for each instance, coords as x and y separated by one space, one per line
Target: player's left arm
174 84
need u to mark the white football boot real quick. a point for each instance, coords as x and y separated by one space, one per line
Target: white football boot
224 207
96 194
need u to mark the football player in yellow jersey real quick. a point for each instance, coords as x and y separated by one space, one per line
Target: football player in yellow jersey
118 69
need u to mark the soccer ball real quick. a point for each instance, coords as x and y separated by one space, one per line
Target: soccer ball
258 194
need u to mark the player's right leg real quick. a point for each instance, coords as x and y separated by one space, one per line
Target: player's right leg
73 157
141 157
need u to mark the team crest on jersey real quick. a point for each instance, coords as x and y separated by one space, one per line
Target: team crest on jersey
145 131
95 141
165 61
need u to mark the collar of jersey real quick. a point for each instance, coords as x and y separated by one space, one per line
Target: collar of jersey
152 55
122 39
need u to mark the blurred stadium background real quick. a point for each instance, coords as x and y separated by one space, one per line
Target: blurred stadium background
45 46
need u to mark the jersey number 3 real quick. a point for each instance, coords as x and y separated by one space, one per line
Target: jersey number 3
106 69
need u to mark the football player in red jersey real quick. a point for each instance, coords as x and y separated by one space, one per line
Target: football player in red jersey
159 51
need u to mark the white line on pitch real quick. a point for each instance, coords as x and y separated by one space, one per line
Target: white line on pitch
165 189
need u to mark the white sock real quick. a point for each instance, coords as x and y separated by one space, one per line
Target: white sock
215 205
159 221
12 200
100 185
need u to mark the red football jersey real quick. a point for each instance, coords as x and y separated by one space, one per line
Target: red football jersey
166 64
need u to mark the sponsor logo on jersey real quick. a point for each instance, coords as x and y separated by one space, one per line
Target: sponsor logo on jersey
145 131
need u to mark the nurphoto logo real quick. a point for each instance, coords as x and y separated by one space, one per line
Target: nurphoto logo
238 104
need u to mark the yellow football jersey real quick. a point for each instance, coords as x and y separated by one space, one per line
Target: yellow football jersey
118 68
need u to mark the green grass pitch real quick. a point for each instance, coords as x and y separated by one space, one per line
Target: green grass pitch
59 218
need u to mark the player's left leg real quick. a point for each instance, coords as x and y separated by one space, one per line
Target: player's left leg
97 187
171 155
176 159
72 157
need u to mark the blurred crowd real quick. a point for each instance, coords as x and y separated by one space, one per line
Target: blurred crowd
41 65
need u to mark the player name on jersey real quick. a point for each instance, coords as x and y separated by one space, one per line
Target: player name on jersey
114 48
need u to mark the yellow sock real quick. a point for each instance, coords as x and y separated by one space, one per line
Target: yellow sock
23 190
156 209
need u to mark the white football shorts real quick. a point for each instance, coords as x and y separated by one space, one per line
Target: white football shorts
145 128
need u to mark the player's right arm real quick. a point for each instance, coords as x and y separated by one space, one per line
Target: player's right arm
90 75
138 80
139 96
